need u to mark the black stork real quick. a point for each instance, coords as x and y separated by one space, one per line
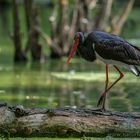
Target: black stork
110 49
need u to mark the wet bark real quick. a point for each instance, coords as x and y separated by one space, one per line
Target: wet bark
67 122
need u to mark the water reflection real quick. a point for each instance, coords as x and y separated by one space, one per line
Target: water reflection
36 86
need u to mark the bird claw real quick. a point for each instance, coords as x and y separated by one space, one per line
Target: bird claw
100 109
100 101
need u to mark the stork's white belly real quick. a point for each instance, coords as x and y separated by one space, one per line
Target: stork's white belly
109 61
118 63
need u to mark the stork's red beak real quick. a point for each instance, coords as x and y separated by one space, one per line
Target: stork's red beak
73 49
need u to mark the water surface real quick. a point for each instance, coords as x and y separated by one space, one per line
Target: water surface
55 84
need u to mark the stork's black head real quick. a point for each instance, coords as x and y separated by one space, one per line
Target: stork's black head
80 36
78 40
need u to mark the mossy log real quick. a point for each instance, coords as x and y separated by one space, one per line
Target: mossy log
67 122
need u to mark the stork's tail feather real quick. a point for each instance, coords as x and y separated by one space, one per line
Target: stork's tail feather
136 71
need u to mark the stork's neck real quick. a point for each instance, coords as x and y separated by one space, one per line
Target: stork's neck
86 51
81 40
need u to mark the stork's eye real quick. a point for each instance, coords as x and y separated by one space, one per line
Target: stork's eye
77 36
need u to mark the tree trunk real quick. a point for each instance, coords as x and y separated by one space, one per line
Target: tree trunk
28 6
19 55
118 21
33 33
67 122
59 32
103 15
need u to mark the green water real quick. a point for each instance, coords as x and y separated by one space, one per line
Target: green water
55 84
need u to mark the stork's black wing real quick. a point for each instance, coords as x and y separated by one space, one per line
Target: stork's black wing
118 50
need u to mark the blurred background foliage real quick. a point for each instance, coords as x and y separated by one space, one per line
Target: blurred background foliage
46 28
35 38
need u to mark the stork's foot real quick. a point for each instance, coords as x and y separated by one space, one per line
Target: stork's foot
100 109
101 101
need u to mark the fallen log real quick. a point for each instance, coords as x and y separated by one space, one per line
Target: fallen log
67 122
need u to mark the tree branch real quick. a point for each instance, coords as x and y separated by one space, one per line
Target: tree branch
103 15
118 21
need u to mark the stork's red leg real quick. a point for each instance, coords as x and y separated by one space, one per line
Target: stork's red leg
106 82
121 76
103 95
